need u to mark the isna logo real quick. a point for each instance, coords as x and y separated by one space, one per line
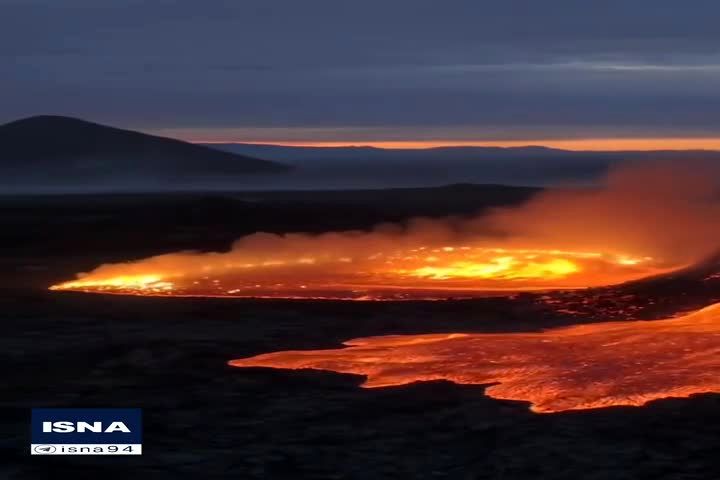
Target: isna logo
81 427
86 431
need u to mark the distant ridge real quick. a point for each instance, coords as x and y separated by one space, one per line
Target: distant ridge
450 151
528 157
530 165
56 149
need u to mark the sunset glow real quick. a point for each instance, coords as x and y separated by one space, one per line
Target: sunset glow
590 144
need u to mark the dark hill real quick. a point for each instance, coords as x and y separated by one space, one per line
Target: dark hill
60 150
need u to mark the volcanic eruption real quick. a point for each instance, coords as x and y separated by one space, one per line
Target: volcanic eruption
352 273
642 222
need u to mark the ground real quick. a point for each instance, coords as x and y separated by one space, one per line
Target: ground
204 419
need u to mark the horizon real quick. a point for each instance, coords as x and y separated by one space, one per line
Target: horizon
271 138
596 145
599 144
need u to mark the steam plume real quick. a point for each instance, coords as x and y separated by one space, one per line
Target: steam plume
645 217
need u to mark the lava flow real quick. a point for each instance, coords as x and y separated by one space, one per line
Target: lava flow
572 368
358 272
644 220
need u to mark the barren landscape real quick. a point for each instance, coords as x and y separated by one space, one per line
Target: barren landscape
204 418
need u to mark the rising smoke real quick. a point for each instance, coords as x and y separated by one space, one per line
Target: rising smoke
667 212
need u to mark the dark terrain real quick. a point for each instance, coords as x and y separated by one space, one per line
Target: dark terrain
365 167
204 419
47 150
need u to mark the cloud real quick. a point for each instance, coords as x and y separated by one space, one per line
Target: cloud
420 63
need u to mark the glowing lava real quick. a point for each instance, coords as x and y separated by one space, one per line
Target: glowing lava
358 274
578 367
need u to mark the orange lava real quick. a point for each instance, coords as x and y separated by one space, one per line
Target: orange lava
402 273
572 368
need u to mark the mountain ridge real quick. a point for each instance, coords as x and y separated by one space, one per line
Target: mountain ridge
53 148
523 149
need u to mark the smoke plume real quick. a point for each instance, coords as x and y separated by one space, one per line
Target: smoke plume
646 217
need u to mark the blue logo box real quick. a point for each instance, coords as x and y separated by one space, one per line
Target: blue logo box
86 426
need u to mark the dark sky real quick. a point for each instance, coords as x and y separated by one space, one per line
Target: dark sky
370 69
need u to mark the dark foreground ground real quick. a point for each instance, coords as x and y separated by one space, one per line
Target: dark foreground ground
204 419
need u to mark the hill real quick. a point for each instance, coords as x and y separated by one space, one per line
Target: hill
55 150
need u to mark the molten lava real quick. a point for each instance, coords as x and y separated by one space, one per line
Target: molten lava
358 274
578 367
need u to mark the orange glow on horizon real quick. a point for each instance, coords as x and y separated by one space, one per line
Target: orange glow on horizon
592 144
